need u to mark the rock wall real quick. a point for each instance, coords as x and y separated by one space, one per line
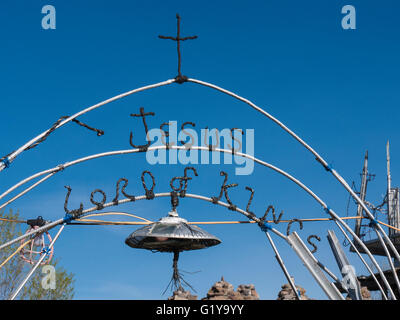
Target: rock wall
221 290
287 293
182 294
366 295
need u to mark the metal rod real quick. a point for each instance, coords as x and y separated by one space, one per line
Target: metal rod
312 265
283 267
167 194
303 143
353 289
26 190
137 198
396 279
13 155
363 192
318 157
385 236
328 272
16 292
363 261
280 171
40 229
389 178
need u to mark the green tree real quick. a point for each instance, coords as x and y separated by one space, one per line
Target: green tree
14 271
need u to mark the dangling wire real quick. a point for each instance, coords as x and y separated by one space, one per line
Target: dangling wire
177 278
353 186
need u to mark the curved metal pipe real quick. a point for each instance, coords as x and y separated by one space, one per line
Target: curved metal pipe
302 142
363 261
396 279
299 183
13 155
206 84
309 148
16 292
123 201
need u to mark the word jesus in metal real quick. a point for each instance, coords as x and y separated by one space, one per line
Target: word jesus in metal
167 135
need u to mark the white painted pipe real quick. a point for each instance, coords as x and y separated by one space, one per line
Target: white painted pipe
299 183
363 261
13 155
309 148
16 292
203 83
302 142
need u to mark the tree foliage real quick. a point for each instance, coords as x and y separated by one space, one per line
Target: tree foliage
14 271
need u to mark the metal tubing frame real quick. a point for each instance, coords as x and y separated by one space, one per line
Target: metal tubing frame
199 197
313 266
390 260
363 261
283 267
254 106
302 142
57 169
16 292
309 148
137 198
354 290
14 154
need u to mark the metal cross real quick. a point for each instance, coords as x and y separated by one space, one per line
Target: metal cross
178 39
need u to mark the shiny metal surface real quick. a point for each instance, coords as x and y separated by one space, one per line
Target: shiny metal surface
169 234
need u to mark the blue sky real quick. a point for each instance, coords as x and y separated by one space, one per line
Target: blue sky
338 89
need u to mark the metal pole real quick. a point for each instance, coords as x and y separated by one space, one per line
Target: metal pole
45 227
16 292
321 160
363 261
13 155
318 157
385 236
283 267
278 170
396 279
363 192
311 264
354 289
389 178
26 190
285 128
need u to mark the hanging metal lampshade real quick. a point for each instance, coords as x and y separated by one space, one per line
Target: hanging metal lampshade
171 234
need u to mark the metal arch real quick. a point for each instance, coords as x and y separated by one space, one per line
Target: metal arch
299 183
226 205
195 196
14 154
285 128
21 285
319 158
302 142
127 200
206 84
